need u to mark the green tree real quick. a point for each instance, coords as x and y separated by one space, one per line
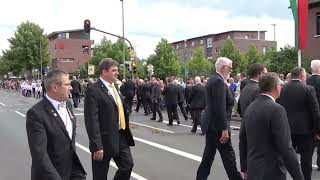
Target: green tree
254 56
164 60
282 61
25 47
199 65
4 67
232 52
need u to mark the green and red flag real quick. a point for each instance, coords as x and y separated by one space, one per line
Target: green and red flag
300 15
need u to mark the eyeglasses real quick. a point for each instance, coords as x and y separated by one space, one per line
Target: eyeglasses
228 67
65 84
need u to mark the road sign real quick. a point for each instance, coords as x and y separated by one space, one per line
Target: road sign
132 53
90 69
150 67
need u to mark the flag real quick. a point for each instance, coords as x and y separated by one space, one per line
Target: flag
300 15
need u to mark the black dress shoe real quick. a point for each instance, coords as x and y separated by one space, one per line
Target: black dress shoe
160 120
169 124
153 119
186 118
178 122
193 131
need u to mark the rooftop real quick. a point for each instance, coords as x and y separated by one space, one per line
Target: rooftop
65 31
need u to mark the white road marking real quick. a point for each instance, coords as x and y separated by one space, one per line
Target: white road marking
20 113
79 109
2 104
139 124
169 149
135 175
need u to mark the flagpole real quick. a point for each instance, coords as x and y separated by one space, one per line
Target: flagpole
299 57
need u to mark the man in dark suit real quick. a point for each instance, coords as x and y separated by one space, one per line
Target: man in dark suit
197 101
218 116
181 100
300 102
51 130
187 94
314 80
265 133
171 93
146 97
139 95
75 92
107 124
129 89
155 94
251 90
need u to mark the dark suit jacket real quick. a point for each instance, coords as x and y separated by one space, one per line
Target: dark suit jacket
248 95
171 93
139 91
156 93
243 83
102 120
265 135
180 94
314 81
219 104
76 86
53 152
129 88
187 93
146 91
301 106
197 97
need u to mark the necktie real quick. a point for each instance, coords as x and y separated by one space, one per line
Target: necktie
120 107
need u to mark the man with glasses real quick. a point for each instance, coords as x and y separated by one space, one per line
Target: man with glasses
51 130
217 122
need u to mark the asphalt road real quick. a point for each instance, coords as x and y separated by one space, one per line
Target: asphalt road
161 152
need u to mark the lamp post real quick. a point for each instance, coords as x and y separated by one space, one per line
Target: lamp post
40 59
274 31
124 48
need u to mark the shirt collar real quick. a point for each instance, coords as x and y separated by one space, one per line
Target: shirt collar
53 102
220 75
268 96
315 74
254 80
296 80
106 83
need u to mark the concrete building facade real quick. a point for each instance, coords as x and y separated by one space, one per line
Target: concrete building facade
213 43
69 50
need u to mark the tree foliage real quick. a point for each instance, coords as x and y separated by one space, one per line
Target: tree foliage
199 65
253 56
4 67
282 61
164 60
24 52
230 51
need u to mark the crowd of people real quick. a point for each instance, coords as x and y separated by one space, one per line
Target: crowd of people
280 117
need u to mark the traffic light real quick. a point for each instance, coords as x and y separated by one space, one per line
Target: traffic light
87 26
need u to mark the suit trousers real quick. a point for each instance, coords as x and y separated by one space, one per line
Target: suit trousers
156 109
123 161
196 116
227 155
129 102
172 111
76 99
304 145
138 104
183 110
147 105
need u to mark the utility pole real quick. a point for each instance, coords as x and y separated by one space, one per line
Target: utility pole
274 31
40 59
124 48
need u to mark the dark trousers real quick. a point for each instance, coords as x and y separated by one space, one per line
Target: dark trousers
227 155
138 104
77 174
147 105
304 145
196 116
172 112
129 101
317 144
156 108
183 110
123 160
76 99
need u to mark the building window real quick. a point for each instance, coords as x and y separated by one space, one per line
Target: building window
201 41
85 50
210 57
66 59
229 36
177 46
209 42
217 50
264 50
192 43
318 23
185 44
67 35
62 36
246 37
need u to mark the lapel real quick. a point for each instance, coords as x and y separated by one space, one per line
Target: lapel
55 115
73 120
106 91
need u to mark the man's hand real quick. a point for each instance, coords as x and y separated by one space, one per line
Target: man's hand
244 175
98 155
317 137
224 137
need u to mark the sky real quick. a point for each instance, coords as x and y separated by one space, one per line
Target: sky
147 21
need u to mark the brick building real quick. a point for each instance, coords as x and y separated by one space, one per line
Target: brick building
69 49
213 43
313 49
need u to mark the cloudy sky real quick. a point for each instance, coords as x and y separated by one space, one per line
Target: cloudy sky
147 21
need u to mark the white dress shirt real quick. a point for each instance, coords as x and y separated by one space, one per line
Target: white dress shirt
64 115
268 96
110 89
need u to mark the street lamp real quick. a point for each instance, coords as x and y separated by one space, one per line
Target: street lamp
124 48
